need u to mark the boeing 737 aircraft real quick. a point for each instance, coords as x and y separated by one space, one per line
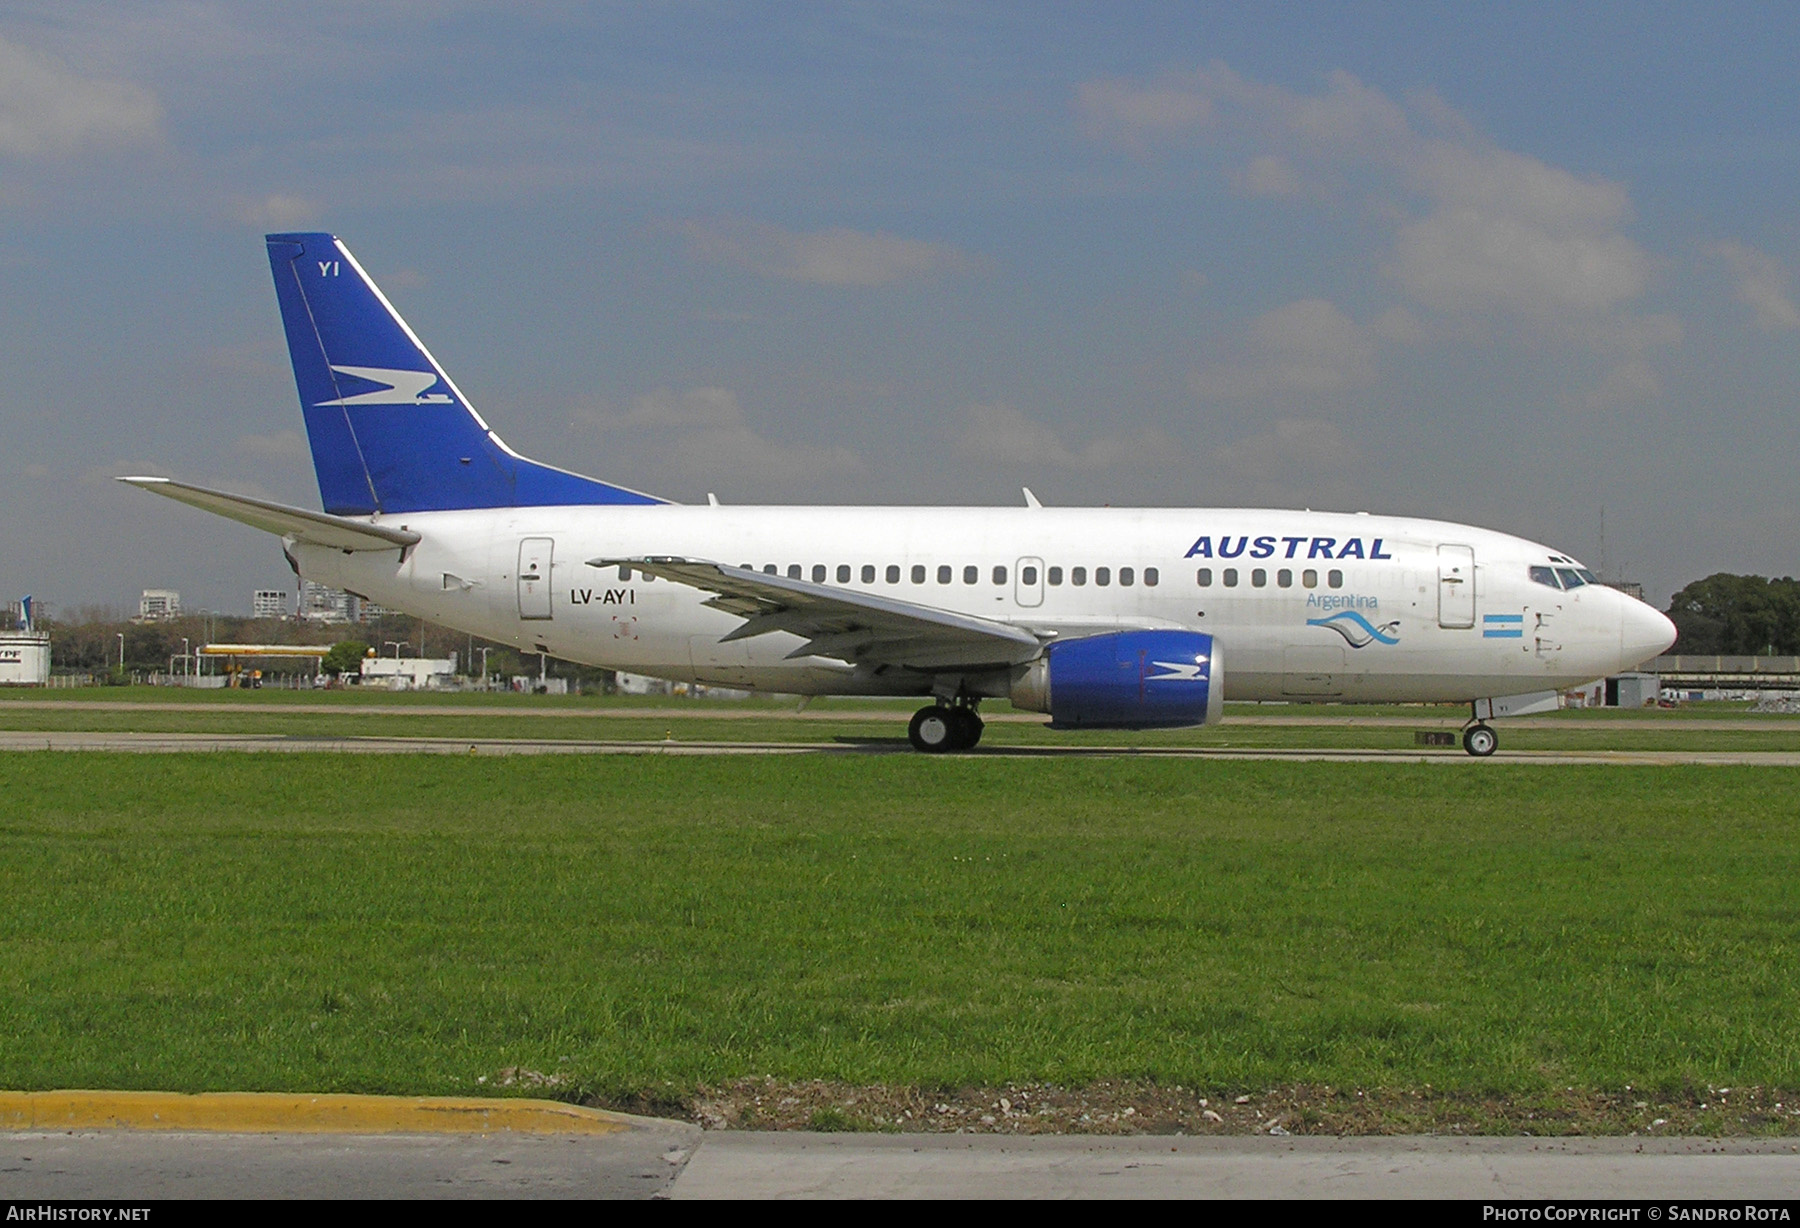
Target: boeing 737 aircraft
1100 617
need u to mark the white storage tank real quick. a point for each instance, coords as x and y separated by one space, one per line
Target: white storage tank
24 658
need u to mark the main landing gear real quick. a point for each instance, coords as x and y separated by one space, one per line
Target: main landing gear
1480 740
943 727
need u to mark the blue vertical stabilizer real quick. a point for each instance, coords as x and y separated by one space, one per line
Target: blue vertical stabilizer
389 430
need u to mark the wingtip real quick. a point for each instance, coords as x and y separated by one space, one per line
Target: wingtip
141 480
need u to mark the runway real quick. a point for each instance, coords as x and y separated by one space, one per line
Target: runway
1323 717
254 743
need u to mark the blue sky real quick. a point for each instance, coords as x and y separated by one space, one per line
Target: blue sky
1504 264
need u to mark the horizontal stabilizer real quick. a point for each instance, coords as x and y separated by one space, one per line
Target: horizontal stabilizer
318 528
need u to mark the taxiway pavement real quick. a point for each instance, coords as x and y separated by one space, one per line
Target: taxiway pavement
673 1159
176 743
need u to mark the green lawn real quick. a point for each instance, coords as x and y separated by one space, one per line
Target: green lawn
402 924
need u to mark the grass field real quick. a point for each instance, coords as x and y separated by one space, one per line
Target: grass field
648 926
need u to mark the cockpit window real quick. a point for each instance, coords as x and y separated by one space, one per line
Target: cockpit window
1544 575
1589 576
1569 578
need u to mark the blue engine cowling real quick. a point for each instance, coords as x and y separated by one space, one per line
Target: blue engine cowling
1126 680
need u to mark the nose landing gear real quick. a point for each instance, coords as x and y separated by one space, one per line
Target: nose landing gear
944 727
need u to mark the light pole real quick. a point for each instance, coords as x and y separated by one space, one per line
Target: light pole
121 652
187 662
484 653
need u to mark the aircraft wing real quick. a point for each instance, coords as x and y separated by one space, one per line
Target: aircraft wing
848 625
319 528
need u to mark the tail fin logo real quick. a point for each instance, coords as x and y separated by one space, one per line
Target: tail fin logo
398 387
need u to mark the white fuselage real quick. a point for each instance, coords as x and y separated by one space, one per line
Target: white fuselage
1441 611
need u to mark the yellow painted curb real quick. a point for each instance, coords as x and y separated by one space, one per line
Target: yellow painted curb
280 1113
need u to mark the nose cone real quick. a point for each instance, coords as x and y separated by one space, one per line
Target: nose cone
1643 633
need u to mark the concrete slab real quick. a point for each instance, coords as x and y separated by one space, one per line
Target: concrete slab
129 1164
798 1165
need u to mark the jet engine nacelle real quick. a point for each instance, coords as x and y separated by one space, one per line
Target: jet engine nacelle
1126 680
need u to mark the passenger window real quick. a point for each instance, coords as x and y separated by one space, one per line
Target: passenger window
1150 577
1230 577
1027 576
818 573
1204 577
1055 576
918 573
1126 576
944 573
971 574
1284 578
1568 577
1309 578
843 573
1102 576
1258 577
893 573
1078 576
1334 578
999 575
868 573
793 571
769 568
1544 575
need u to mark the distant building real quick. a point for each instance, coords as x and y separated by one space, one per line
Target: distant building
269 603
320 603
1631 588
159 605
408 673
368 611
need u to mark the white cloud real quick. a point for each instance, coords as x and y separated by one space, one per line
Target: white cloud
1002 434
47 109
1132 114
1296 445
276 212
1308 347
1762 285
1267 175
1483 229
835 257
1302 461
703 435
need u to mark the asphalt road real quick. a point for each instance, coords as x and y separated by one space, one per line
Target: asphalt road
672 1159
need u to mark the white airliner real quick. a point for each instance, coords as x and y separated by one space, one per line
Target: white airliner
1100 617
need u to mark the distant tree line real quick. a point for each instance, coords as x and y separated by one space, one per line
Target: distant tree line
1727 615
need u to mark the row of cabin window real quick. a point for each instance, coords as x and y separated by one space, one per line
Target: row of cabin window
1309 578
971 574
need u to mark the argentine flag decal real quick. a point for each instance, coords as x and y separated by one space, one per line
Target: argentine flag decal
1502 626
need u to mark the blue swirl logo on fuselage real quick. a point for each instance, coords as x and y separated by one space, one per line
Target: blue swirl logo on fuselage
1358 632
